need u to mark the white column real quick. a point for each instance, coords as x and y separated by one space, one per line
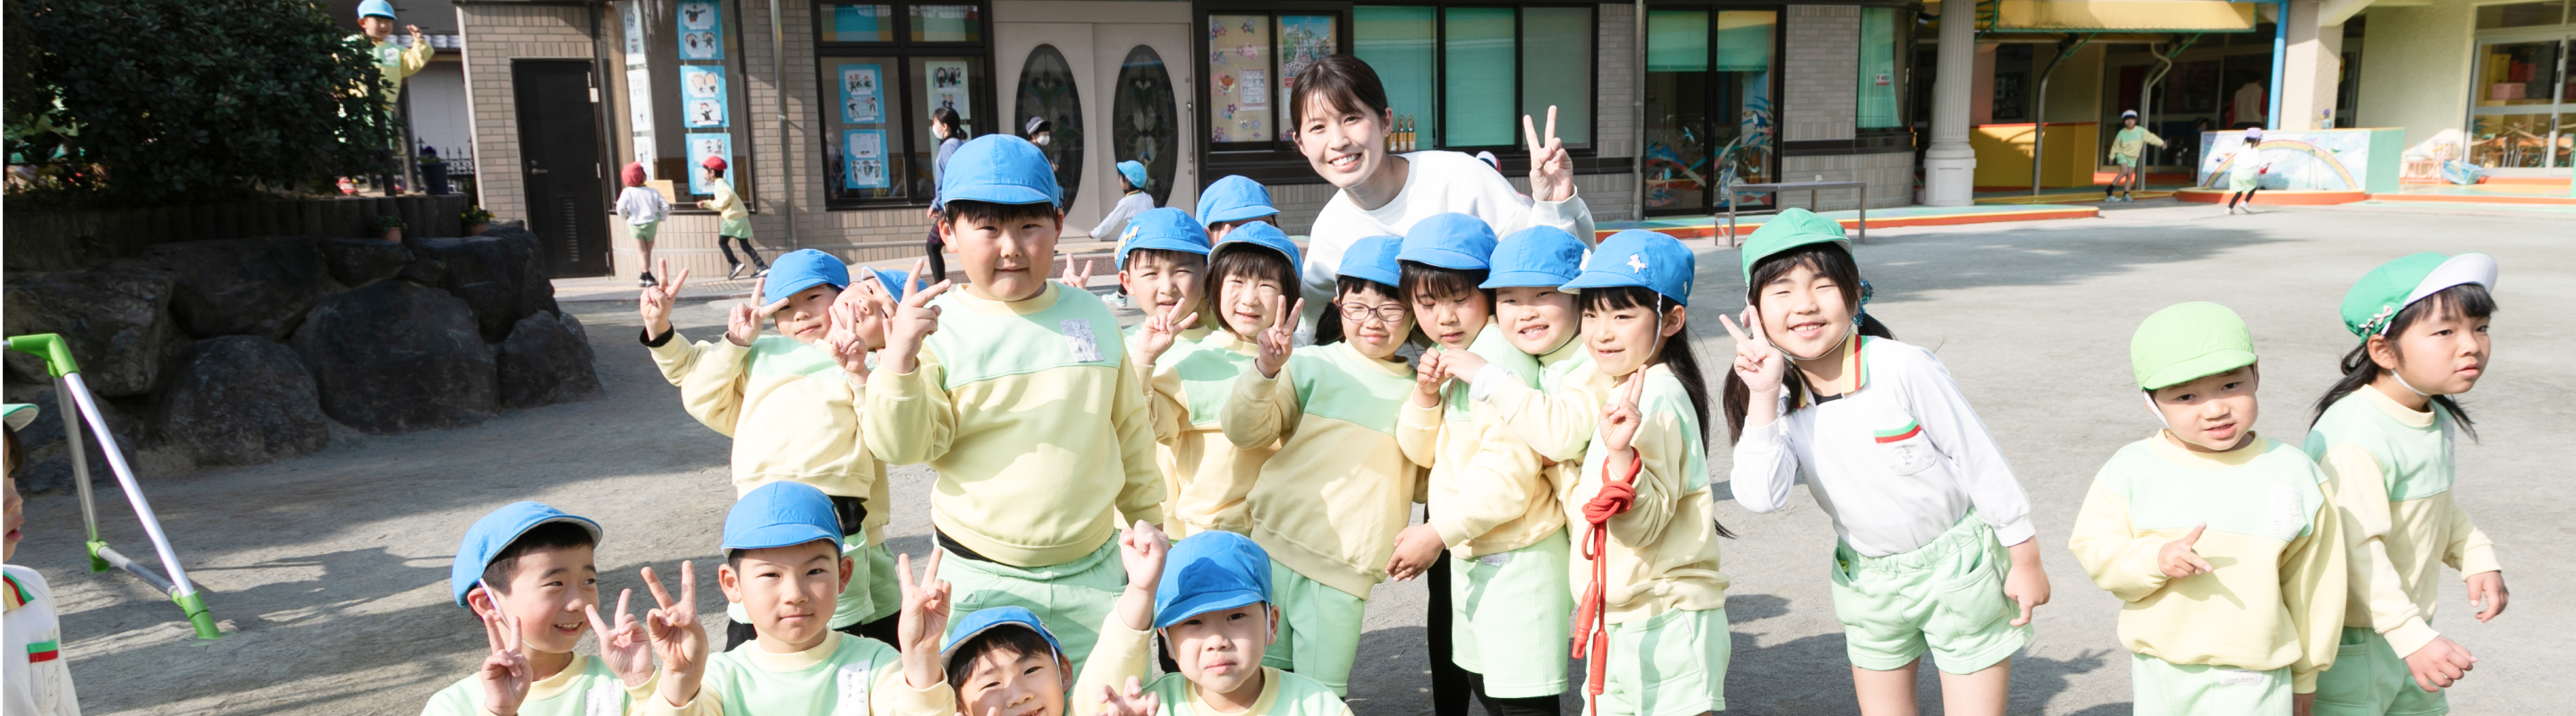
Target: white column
1949 166
2311 64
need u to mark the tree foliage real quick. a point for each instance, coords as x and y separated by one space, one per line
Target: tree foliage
139 102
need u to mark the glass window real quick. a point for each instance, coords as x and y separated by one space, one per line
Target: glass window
2518 73
1239 79
1877 107
1709 115
1398 42
1149 120
880 86
947 23
1556 69
1480 89
844 22
1303 39
1049 103
2529 14
942 82
863 136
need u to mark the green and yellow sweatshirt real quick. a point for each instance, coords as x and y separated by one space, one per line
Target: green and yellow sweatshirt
1330 501
1490 492
2391 470
1188 394
2275 598
584 687
1662 552
1125 653
1557 417
843 676
792 412
1033 418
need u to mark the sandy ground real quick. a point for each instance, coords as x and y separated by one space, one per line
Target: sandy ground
330 572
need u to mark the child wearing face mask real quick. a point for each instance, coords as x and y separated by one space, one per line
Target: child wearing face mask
2384 436
1651 618
1934 531
2220 543
1253 270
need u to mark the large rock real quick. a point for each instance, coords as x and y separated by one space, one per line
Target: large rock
259 287
118 325
48 462
358 262
500 274
243 401
545 360
395 357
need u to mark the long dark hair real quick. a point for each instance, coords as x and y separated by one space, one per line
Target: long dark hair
1837 266
1675 354
2465 300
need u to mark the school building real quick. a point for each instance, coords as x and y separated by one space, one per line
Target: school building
822 107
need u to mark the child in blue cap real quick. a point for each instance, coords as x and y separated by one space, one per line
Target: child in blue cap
1162 260
526 571
1254 271
1231 202
1006 660
1652 620
1213 609
783 567
790 402
1329 501
1017 391
1133 199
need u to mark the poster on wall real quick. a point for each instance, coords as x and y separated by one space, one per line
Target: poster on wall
861 100
701 31
947 87
702 146
1252 89
634 18
1238 77
639 119
702 96
864 155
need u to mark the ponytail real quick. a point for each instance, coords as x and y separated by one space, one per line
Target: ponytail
1836 265
2360 371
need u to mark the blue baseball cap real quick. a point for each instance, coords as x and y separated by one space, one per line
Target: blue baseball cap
1234 198
894 282
494 533
780 514
984 620
803 269
378 8
1450 241
1164 229
1535 256
1211 571
998 169
1134 171
1638 257
1262 234
1373 259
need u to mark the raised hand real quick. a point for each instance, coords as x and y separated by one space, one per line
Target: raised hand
1141 549
742 325
625 647
1161 332
1757 362
921 623
1551 170
657 301
1278 338
1619 418
2179 559
1131 702
1077 279
506 673
678 639
849 346
914 320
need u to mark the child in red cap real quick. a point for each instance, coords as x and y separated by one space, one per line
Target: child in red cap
643 210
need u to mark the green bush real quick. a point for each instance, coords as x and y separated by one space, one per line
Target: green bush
139 102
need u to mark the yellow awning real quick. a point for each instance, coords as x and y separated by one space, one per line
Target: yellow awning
2129 15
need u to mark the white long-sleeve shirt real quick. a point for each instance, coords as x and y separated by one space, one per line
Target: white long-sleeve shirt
34 679
641 205
1116 222
1434 183
1896 462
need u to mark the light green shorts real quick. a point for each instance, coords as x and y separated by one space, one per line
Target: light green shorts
1319 629
1671 664
643 233
871 595
2370 678
2165 688
1071 599
1512 613
2242 180
2124 160
1947 596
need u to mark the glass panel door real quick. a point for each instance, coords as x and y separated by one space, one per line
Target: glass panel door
1709 112
2519 93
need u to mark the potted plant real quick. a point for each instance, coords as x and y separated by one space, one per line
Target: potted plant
433 171
475 220
387 227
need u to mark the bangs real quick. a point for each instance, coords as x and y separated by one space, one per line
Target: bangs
1345 286
1011 641
983 211
1252 262
1439 282
1343 83
1827 260
2466 300
1616 298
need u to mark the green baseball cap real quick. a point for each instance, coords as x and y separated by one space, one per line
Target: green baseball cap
18 415
2374 301
1788 230
2189 340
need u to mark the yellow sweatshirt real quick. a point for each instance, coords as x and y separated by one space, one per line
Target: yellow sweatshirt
1189 392
1329 502
1125 653
2276 597
2391 470
1557 417
791 411
1662 552
1490 493
1035 422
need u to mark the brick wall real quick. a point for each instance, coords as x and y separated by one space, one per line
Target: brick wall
1821 69
494 35
1890 177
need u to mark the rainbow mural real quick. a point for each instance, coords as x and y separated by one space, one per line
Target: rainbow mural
2321 160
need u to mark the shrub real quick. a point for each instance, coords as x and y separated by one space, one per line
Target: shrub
474 215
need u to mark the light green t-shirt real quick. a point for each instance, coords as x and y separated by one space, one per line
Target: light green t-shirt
584 688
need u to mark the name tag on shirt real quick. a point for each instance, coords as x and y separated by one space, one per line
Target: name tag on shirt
853 687
1078 338
603 701
1496 559
2284 513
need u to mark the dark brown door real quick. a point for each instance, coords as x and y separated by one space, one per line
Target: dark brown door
559 142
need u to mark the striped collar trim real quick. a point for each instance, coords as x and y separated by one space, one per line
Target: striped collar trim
1858 369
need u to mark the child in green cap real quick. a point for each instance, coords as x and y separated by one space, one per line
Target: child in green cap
2383 435
2221 542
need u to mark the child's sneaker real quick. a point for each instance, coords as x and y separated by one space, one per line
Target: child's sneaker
733 271
647 280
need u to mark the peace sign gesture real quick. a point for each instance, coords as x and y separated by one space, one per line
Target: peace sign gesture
1757 362
1278 338
846 329
677 636
742 326
656 303
1077 279
1161 332
1134 701
922 622
914 320
1620 419
1551 170
506 674
625 647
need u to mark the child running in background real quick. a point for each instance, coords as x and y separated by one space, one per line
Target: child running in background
736 225
1133 199
2126 145
1252 270
792 402
643 210
1232 202
2383 434
1652 619
2221 543
528 574
1934 532
2245 175
1328 504
1494 502
34 678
